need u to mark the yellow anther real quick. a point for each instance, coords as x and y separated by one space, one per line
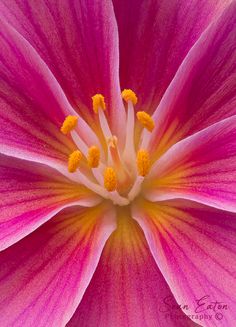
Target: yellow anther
129 95
98 102
146 120
110 179
93 156
69 124
74 161
143 162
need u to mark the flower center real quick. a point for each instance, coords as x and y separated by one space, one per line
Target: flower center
114 173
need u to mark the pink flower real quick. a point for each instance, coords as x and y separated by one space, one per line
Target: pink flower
120 209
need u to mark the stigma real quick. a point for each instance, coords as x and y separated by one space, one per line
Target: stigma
115 172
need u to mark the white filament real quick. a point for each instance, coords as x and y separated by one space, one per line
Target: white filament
104 124
129 150
79 142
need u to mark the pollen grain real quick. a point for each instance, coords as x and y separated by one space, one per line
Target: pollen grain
74 161
93 157
143 162
98 102
146 120
129 95
110 179
69 124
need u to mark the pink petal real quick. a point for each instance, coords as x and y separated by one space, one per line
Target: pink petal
127 288
202 168
79 42
204 89
31 194
194 247
32 103
155 37
43 277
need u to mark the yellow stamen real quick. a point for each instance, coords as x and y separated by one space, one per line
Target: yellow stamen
110 179
74 161
146 120
143 162
129 95
69 124
98 102
93 156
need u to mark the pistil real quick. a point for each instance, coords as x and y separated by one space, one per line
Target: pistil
120 176
114 151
